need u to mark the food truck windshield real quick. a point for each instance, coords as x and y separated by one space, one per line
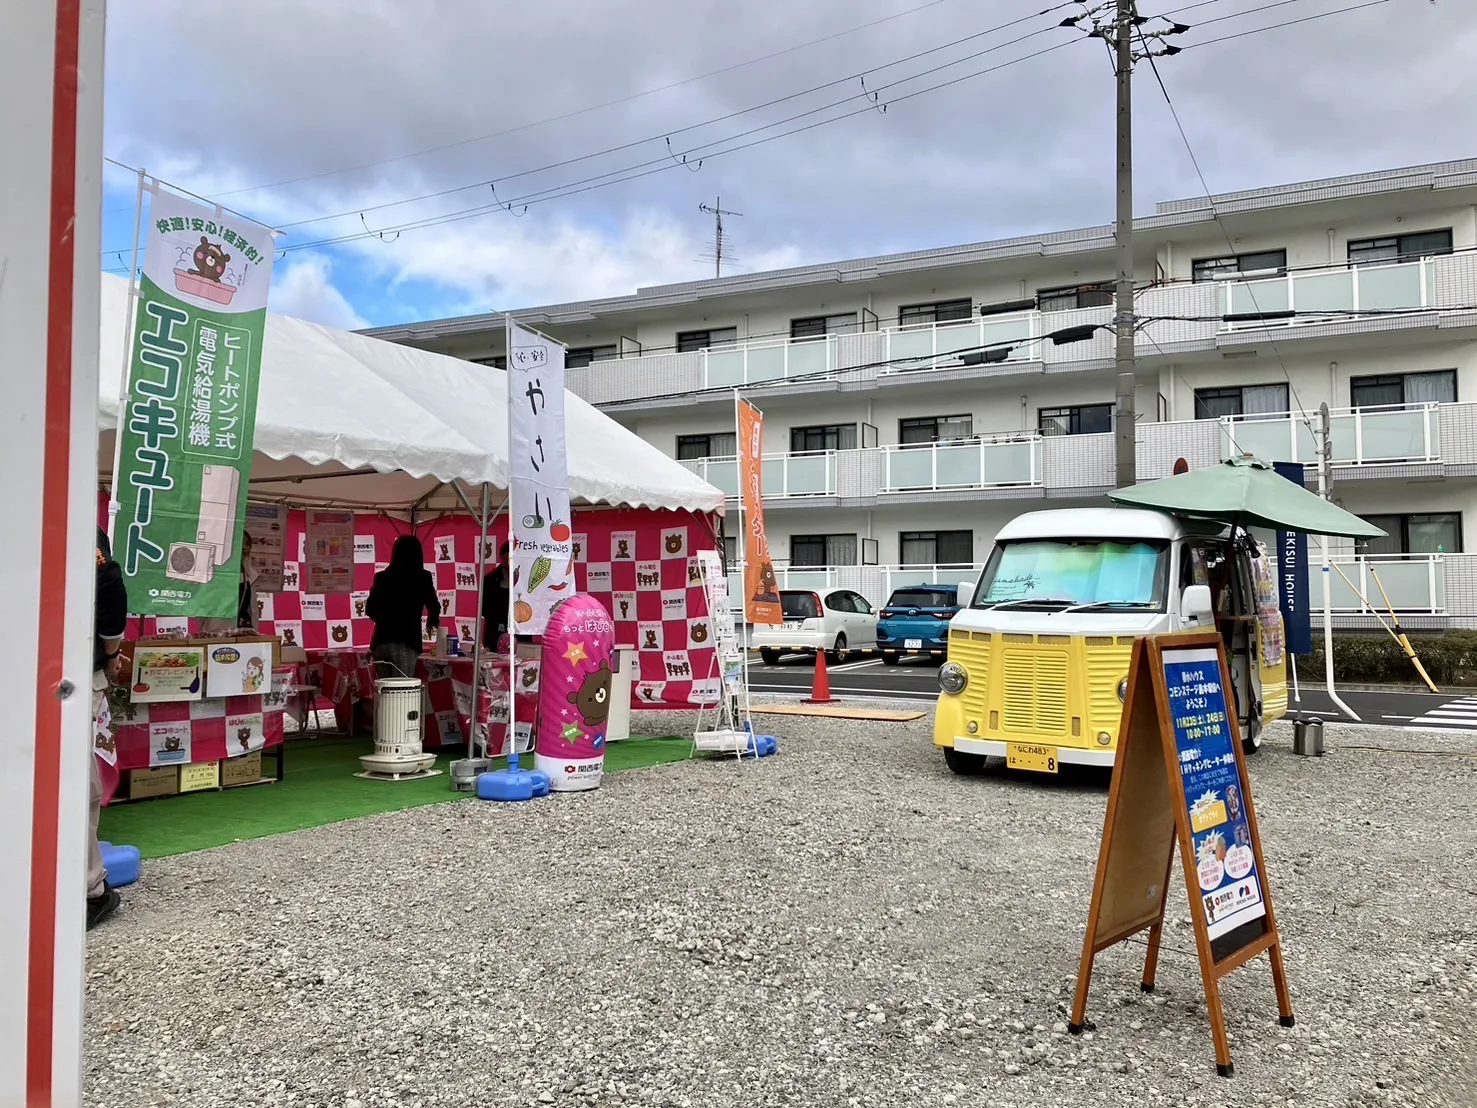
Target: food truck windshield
1062 573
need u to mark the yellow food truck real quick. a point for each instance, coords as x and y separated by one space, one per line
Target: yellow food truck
1038 661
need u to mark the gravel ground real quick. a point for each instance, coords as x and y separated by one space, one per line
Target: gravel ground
844 924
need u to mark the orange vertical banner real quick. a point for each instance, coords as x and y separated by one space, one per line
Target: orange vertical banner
761 587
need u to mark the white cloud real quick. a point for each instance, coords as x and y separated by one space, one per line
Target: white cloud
504 262
302 287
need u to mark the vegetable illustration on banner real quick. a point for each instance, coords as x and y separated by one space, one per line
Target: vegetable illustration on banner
542 549
188 421
761 586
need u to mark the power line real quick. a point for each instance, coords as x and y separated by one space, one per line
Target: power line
861 76
873 95
1288 23
593 107
665 165
1210 198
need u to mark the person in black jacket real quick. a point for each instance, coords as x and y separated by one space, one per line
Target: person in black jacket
495 589
110 620
401 592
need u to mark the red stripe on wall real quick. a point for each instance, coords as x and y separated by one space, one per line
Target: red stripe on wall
41 983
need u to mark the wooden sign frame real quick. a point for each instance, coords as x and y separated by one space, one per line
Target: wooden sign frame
1149 813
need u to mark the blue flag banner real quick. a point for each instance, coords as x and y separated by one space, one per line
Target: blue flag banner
1292 576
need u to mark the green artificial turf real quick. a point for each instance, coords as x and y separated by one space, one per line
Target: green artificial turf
320 787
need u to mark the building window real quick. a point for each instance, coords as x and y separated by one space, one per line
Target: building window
943 311
577 357
719 444
1071 297
831 436
690 341
1421 533
1241 400
1079 419
819 326
730 551
937 548
497 361
810 551
1403 388
1234 265
1399 248
922 431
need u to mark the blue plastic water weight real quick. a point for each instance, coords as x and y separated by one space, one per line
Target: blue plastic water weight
122 864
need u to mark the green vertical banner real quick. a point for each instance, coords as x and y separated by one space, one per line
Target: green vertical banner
188 421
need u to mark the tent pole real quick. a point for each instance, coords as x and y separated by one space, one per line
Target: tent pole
477 627
124 373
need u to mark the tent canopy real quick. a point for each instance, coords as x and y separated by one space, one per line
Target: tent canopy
349 420
1248 492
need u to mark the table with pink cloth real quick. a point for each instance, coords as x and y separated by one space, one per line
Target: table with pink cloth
347 677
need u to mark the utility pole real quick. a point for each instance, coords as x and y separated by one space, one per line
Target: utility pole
717 211
1126 414
1117 23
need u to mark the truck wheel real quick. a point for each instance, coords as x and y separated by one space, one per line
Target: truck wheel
965 765
1251 738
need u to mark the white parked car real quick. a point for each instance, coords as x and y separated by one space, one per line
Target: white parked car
837 622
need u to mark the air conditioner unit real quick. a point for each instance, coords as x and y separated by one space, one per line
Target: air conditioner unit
219 489
190 561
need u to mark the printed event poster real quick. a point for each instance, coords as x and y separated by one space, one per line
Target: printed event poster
1230 885
761 587
266 524
165 674
329 550
239 669
542 551
188 422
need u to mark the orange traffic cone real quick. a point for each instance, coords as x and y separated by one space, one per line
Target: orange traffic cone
820 691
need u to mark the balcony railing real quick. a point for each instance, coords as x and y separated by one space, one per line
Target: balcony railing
1441 585
919 348
962 465
1360 436
752 363
1319 295
806 474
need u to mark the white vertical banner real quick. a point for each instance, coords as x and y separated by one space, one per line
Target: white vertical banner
540 519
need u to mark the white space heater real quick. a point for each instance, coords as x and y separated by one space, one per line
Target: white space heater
399 728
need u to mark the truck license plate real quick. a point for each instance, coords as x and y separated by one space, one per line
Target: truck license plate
912 644
1038 759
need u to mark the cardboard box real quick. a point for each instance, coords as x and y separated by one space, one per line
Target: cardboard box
245 770
162 781
199 776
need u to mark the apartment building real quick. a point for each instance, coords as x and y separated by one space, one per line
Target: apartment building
916 402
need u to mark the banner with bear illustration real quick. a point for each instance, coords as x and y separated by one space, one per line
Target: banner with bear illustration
574 694
542 535
761 587
189 417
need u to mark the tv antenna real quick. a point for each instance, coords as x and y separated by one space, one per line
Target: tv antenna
720 243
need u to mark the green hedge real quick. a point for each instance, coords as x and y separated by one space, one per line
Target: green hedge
1450 659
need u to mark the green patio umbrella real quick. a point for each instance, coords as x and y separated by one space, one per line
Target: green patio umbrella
1246 492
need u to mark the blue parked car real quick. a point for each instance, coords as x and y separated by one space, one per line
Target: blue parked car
915 620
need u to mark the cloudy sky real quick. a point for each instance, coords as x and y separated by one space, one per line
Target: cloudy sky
339 120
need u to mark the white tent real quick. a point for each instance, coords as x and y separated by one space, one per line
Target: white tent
348 420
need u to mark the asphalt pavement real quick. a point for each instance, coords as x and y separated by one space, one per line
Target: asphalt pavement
916 679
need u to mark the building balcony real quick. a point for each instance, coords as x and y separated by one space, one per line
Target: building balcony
1428 591
1180 319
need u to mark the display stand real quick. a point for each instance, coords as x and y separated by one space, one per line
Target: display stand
1180 776
727 726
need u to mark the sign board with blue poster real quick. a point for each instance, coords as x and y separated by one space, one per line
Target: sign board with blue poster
1179 777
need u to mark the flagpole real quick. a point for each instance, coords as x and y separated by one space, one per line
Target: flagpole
743 575
129 309
512 548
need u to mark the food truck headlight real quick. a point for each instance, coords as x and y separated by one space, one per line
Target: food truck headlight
1123 689
952 678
